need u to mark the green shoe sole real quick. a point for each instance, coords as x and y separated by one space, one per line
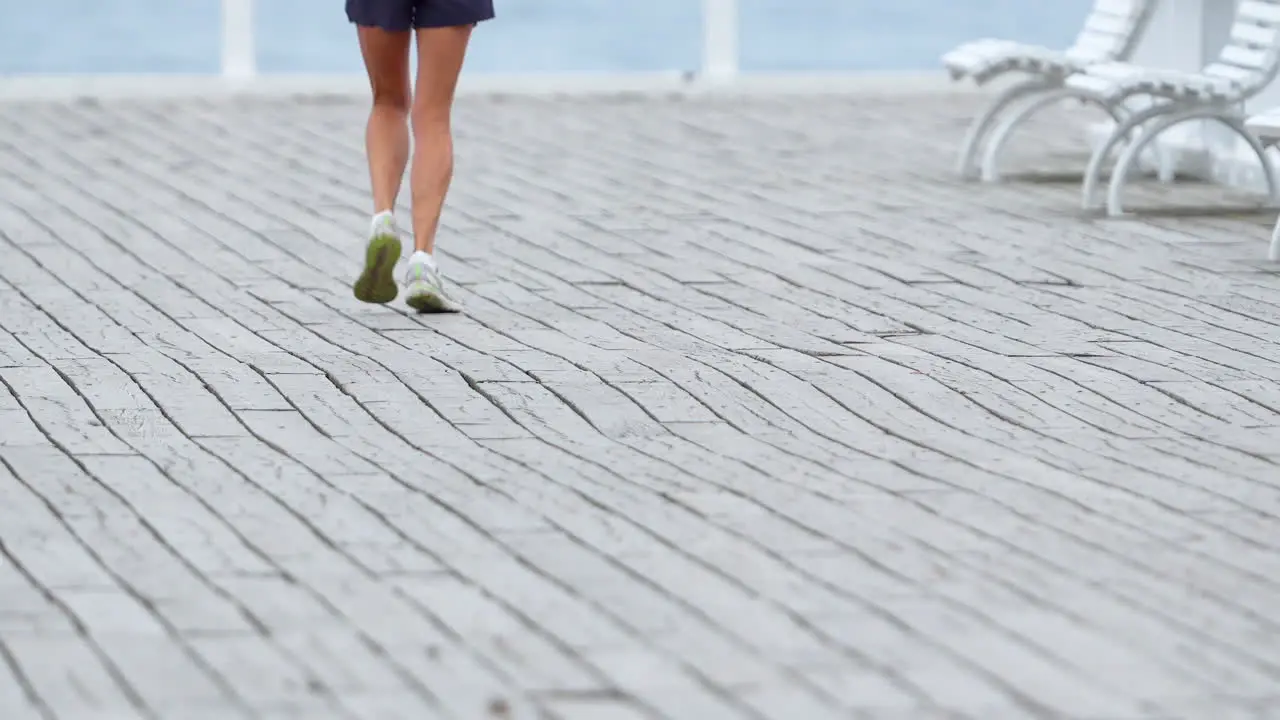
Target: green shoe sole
377 284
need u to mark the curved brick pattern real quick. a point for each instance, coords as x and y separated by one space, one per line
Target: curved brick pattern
754 413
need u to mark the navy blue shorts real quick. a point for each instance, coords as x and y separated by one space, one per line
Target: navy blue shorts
401 15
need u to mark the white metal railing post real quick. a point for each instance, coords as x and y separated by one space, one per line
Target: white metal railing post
238 56
719 39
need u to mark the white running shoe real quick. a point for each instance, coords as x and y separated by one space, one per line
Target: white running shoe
426 288
377 282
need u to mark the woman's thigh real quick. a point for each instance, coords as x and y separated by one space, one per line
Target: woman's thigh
441 51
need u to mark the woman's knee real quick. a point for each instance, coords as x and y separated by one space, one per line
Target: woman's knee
386 58
430 117
391 98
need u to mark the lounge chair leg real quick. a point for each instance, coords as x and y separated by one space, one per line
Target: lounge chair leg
1273 182
1093 172
1157 127
1122 130
979 128
1019 114
1128 158
1259 149
1119 174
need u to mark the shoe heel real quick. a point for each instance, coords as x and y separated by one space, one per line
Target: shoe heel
377 283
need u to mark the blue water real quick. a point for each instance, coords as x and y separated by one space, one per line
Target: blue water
312 36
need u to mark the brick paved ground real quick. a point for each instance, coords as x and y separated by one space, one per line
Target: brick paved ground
755 414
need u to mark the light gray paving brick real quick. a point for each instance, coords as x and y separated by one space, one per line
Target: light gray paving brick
24 607
194 531
665 685
389 706
510 643
16 697
263 676
588 706
13 353
181 395
35 333
60 412
72 680
788 424
167 677
19 429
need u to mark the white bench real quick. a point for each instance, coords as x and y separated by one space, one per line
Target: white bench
1148 102
1266 127
1111 33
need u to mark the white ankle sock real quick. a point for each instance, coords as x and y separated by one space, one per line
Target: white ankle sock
422 256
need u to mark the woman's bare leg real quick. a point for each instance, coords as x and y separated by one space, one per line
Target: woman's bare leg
386 58
441 51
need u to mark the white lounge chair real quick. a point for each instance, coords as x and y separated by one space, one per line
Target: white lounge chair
1245 66
1111 32
1266 127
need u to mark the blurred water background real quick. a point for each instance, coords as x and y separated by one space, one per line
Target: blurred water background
312 36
